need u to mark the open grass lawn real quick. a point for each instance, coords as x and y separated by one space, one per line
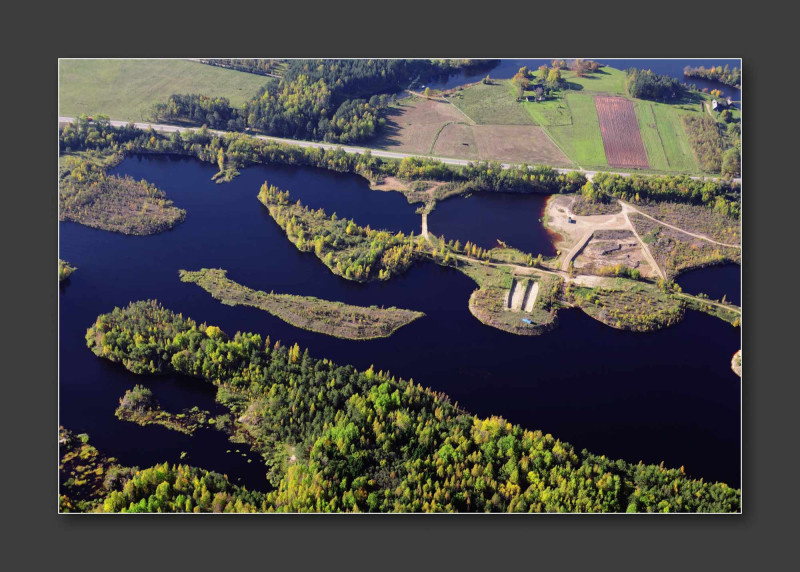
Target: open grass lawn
656 155
127 89
549 113
494 104
607 80
581 140
673 138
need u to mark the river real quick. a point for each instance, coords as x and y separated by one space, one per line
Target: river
666 396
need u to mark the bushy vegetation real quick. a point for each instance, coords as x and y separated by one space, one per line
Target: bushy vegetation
90 196
366 441
64 270
723 74
706 141
677 252
139 406
349 250
628 305
644 84
722 196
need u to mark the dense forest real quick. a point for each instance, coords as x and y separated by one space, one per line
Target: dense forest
91 482
360 78
349 250
722 74
366 441
340 101
299 109
644 84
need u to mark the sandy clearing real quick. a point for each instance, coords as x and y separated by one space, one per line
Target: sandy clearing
532 294
518 296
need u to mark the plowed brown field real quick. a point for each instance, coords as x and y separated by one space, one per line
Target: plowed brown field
620 130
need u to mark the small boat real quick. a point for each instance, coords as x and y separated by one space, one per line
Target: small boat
527 321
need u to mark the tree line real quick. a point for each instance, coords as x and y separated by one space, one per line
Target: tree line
644 84
242 150
723 74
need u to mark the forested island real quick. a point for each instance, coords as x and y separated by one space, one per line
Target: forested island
331 318
366 441
64 270
88 195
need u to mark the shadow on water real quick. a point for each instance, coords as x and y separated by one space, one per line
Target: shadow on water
669 395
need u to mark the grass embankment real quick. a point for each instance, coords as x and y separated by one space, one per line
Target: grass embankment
677 251
139 406
127 89
722 310
64 270
306 312
627 304
89 196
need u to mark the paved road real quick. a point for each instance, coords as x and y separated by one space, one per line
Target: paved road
346 148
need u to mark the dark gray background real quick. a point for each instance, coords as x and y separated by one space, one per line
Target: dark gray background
37 534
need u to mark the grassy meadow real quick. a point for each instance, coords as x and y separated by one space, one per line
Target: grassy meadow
127 89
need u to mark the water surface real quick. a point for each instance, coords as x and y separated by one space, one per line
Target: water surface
666 396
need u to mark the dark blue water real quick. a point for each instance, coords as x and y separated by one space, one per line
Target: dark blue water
715 281
667 396
485 218
671 67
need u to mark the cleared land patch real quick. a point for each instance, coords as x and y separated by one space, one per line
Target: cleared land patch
412 126
609 249
325 317
517 143
491 104
698 219
676 251
127 89
620 130
432 127
456 140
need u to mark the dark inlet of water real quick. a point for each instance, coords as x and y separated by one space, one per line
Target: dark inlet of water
715 281
671 67
485 218
668 395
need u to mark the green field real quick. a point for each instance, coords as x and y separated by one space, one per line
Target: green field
673 137
127 89
648 127
494 104
607 80
580 138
